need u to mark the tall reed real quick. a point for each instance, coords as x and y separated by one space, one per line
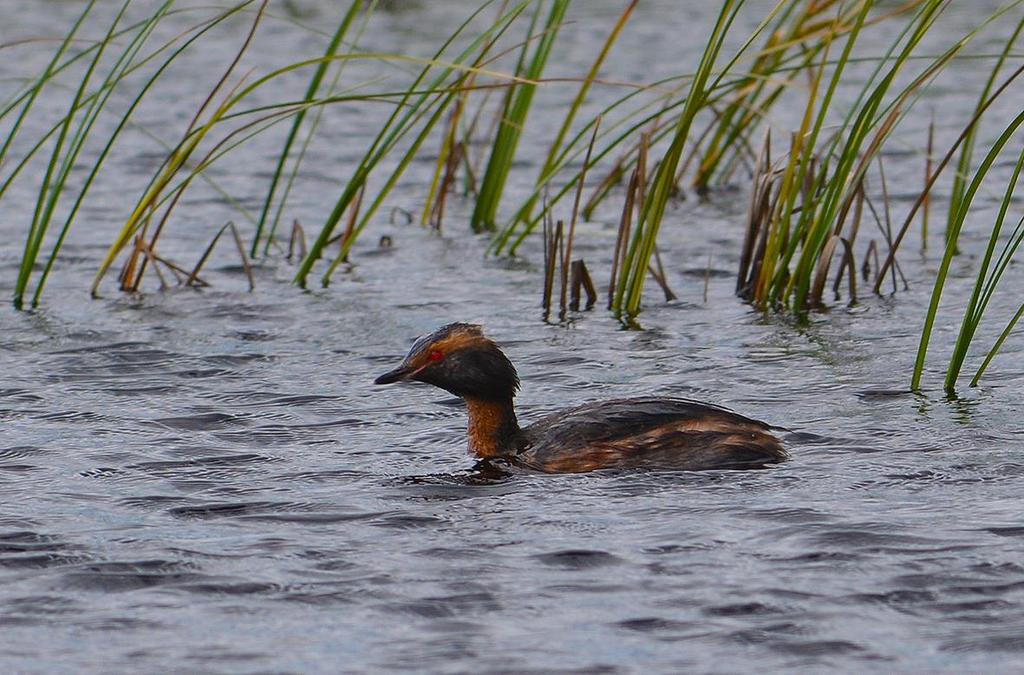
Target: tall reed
987 281
557 149
641 247
807 203
819 186
420 103
516 107
89 105
311 94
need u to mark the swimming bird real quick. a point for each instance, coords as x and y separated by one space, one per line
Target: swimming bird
650 432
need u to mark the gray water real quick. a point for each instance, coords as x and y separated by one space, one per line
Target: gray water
208 481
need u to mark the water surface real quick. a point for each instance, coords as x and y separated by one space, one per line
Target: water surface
208 481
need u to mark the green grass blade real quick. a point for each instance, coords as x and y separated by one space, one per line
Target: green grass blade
1011 247
49 190
43 80
638 256
518 101
555 151
311 92
96 105
940 278
975 309
395 127
963 166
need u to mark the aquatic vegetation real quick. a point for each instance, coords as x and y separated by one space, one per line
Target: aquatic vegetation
142 216
641 246
639 148
514 111
987 277
819 186
556 153
418 104
311 93
85 106
967 146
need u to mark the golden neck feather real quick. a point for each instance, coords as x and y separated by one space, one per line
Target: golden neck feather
492 427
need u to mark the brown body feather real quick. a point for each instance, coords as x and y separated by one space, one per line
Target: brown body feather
645 432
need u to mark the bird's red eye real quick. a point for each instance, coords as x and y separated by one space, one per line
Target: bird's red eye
435 355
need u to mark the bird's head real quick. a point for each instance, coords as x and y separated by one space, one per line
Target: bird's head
460 359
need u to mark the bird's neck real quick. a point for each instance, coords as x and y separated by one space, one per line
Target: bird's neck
492 427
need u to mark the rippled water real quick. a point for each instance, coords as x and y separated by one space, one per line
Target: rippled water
210 482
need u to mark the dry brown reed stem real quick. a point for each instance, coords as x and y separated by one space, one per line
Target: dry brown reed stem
814 297
866 266
642 172
469 173
165 218
450 151
891 256
230 225
350 224
658 274
926 207
848 262
575 213
156 268
885 197
141 248
618 170
451 167
546 236
128 269
581 280
552 254
807 188
160 276
896 267
353 216
707 279
773 191
241 253
759 211
298 237
459 148
634 199
128 279
848 242
625 227
179 274
850 265
610 180
231 68
206 254
888 220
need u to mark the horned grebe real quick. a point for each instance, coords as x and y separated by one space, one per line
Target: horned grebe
665 433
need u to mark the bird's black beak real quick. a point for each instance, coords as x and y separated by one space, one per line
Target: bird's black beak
400 373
